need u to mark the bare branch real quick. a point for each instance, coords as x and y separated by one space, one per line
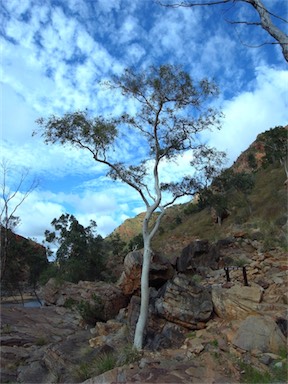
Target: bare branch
243 22
264 14
193 4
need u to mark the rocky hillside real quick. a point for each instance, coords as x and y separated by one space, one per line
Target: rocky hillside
268 198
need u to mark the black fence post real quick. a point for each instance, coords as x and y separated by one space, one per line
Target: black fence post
227 274
245 276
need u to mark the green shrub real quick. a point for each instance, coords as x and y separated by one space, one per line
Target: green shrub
91 312
251 375
70 303
196 279
105 362
100 364
129 354
276 375
41 341
84 371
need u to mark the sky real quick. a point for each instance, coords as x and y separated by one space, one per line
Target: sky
55 55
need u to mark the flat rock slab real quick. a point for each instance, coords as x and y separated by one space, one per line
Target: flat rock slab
36 344
196 370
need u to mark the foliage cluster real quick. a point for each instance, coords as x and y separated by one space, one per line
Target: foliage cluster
80 251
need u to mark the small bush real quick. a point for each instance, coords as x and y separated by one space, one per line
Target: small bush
41 341
70 303
128 355
196 279
251 375
105 362
84 371
90 312
102 363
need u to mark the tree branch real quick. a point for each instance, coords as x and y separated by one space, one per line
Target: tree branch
263 13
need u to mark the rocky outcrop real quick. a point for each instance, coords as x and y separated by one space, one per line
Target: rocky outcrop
106 299
160 271
236 302
185 303
197 255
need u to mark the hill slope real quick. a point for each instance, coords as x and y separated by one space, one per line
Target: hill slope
268 198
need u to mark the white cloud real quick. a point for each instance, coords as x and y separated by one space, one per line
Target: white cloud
251 112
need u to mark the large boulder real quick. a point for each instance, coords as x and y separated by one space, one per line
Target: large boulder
160 271
198 255
105 297
236 302
159 333
259 333
185 303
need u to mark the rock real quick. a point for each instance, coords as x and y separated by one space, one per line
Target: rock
168 336
110 333
52 336
161 270
185 303
283 324
106 299
193 346
159 333
261 333
197 254
237 302
35 372
217 216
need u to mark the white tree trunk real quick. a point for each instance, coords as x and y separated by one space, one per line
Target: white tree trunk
142 320
147 237
267 24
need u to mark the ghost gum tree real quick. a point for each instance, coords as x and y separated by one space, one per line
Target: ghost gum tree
171 112
270 22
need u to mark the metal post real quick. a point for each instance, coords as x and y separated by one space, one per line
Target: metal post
245 276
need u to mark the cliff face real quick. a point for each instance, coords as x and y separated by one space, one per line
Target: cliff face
23 260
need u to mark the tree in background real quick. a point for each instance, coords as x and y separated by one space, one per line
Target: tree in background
219 195
171 111
229 180
80 252
265 19
11 199
117 245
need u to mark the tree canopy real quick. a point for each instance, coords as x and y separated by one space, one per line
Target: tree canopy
80 250
171 111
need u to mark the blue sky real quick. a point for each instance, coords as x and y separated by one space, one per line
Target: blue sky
54 56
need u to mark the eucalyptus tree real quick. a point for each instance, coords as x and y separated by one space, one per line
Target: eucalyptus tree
171 111
264 18
80 251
